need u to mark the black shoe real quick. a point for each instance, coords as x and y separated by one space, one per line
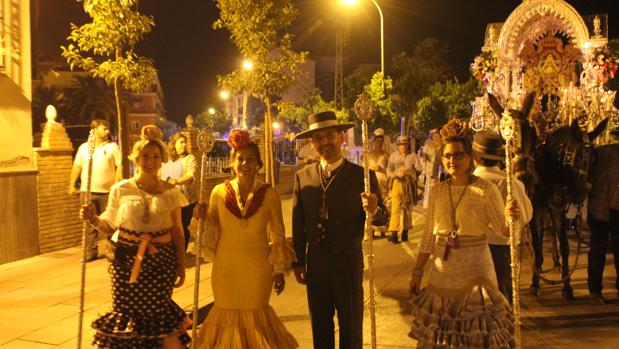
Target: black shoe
394 237
405 235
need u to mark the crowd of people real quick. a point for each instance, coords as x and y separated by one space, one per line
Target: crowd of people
463 254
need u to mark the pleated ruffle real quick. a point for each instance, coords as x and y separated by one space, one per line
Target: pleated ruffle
479 319
242 329
281 256
117 330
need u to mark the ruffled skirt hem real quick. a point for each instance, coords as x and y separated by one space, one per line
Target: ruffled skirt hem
117 330
241 329
480 319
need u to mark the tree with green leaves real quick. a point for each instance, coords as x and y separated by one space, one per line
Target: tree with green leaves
105 49
216 121
90 98
445 101
294 115
355 82
414 75
258 29
380 91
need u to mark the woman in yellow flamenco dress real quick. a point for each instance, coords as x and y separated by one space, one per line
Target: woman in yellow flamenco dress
251 256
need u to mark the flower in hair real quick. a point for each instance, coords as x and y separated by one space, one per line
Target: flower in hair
239 139
454 128
151 133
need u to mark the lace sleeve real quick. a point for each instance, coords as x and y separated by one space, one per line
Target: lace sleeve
428 239
281 254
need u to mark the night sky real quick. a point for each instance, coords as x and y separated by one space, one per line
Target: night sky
189 54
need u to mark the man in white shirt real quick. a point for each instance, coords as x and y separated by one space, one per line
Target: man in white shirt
488 152
106 170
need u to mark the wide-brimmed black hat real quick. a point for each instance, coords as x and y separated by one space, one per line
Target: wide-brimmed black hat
488 145
322 120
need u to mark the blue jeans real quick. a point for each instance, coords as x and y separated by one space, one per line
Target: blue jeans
99 201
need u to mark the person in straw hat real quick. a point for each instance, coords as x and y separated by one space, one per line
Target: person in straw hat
328 217
603 215
488 152
402 172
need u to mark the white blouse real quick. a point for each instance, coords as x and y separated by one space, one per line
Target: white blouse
481 212
127 203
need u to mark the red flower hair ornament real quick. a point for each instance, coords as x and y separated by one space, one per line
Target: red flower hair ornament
239 139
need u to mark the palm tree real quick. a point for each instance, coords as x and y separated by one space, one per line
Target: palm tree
88 99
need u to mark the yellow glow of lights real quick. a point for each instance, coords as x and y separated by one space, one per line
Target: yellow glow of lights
248 65
224 95
350 2
211 111
276 125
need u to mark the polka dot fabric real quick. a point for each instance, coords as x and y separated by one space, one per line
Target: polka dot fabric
143 312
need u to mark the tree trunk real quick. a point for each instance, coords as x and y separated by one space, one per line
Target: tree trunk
268 145
244 120
123 141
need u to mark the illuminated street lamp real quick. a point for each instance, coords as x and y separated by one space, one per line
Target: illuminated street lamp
382 32
211 111
276 125
225 95
248 65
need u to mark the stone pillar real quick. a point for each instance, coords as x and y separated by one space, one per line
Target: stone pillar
59 223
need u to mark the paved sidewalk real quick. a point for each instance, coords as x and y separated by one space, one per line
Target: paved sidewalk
39 299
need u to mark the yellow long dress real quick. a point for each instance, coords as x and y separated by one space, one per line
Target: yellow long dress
248 252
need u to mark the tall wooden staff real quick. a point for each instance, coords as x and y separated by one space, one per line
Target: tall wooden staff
510 130
85 227
205 145
363 109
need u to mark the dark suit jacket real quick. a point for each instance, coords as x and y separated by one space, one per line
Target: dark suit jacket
345 226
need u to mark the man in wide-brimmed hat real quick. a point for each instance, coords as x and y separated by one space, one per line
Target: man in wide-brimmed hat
402 173
328 219
488 152
603 217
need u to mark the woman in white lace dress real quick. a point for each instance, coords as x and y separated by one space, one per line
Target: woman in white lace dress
461 306
150 256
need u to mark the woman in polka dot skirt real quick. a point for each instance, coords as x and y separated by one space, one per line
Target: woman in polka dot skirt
145 213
